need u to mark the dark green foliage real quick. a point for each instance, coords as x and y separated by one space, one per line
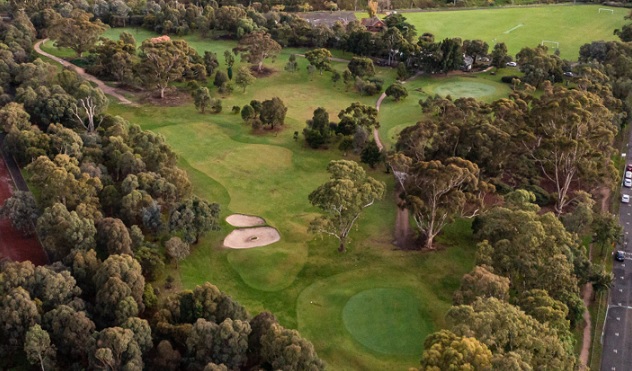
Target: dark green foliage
247 113
318 133
22 210
210 62
193 218
286 350
371 154
361 67
220 79
273 112
397 91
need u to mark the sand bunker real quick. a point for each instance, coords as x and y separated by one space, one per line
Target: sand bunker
242 220
251 237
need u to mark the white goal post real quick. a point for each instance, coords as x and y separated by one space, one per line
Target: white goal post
556 43
606 10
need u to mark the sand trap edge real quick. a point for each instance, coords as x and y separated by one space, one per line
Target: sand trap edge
245 220
247 238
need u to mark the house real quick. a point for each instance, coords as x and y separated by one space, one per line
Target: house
373 24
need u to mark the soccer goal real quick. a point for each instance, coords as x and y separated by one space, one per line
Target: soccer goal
551 43
606 10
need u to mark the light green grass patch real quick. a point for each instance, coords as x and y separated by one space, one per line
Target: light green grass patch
571 26
386 320
269 268
466 89
325 308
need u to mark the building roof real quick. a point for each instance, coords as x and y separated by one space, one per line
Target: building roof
373 22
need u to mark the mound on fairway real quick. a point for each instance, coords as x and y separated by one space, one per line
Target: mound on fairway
385 320
251 237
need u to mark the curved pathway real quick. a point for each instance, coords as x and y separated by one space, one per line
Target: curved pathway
106 89
402 232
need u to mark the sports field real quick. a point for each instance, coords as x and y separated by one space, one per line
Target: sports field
569 25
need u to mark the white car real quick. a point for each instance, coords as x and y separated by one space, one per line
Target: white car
627 182
625 199
628 175
512 64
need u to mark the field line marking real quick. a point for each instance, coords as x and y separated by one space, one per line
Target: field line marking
513 29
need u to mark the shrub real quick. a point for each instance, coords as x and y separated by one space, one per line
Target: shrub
508 79
236 109
542 197
216 105
247 113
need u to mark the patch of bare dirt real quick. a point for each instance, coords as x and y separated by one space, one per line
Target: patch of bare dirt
265 71
173 98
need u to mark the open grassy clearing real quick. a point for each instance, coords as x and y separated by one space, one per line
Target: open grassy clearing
571 26
395 116
270 175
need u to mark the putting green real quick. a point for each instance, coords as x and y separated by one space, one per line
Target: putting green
385 320
467 89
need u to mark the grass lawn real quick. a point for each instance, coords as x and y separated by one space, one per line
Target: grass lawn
303 280
571 26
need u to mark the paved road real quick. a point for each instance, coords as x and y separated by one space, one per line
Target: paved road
617 334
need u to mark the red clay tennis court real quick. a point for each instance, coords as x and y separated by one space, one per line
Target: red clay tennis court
13 245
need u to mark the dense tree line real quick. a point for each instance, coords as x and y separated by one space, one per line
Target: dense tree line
110 203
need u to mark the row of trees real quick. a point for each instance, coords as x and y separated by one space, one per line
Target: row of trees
517 313
111 207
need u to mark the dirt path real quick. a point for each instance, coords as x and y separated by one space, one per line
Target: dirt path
402 224
587 292
106 89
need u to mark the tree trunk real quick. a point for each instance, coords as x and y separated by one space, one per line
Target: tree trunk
429 242
260 66
341 247
162 92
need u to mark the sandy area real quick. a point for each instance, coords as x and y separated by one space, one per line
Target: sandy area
251 237
242 220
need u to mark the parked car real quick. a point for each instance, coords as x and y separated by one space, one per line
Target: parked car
512 64
619 256
625 199
627 182
569 74
628 174
628 167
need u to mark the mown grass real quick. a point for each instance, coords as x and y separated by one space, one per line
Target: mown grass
270 174
571 26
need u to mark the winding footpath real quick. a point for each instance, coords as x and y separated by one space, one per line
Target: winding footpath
106 89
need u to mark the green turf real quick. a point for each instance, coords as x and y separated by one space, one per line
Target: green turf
271 175
386 320
571 26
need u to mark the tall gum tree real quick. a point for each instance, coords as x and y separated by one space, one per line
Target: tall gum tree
570 138
256 47
162 61
438 191
343 198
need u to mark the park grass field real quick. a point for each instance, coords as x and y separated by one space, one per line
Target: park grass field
302 279
570 25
